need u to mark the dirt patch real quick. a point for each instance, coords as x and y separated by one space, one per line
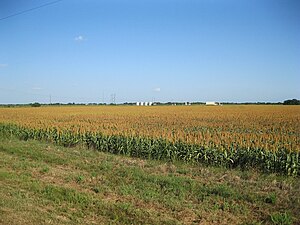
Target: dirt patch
132 162
166 168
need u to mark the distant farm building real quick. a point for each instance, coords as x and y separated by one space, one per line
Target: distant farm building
212 103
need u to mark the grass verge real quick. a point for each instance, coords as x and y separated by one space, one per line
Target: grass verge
41 183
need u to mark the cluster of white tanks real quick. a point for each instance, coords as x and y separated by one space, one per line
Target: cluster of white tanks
144 103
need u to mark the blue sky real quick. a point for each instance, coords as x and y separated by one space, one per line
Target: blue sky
145 50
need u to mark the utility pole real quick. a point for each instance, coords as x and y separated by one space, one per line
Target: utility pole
113 98
50 100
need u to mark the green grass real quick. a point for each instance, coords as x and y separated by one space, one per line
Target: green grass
41 183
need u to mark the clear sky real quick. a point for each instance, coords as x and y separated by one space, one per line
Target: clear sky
145 50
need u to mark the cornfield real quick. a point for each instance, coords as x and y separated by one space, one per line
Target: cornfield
262 137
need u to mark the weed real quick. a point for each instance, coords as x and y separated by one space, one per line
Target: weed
45 169
79 178
281 219
271 198
222 190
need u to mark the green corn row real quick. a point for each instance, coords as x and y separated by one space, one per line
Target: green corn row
282 161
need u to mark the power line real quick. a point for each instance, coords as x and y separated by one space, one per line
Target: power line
31 9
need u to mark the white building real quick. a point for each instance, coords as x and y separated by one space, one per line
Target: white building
212 103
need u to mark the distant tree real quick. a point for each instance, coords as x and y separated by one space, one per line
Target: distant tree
292 102
36 104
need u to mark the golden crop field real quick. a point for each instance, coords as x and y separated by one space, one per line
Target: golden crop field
223 128
268 127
